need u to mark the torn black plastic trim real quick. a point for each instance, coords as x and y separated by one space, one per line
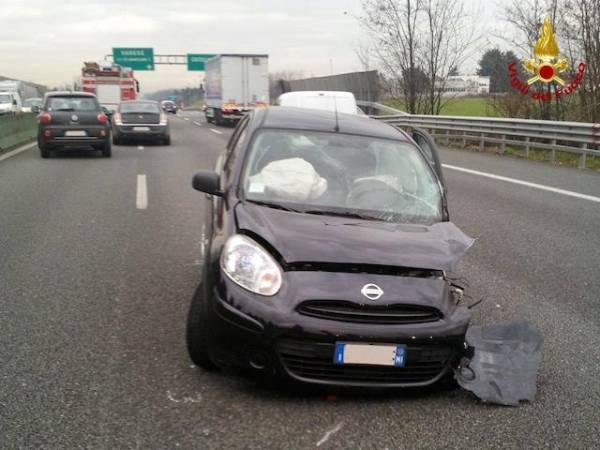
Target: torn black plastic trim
364 268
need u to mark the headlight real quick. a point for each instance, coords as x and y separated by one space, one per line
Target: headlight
250 266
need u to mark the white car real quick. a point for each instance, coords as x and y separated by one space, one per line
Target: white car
344 102
10 103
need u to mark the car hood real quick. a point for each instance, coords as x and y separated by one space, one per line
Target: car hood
329 239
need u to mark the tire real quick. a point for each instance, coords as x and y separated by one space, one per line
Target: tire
107 149
44 152
197 331
116 140
167 140
209 119
218 119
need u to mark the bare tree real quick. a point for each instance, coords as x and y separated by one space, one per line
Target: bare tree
363 52
451 38
417 43
392 25
583 21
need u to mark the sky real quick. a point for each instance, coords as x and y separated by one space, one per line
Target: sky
46 41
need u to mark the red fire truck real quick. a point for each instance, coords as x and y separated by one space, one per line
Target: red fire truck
111 83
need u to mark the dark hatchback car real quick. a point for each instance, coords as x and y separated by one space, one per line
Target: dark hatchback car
72 120
169 107
327 255
140 120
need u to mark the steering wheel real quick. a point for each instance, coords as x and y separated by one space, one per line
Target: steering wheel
374 194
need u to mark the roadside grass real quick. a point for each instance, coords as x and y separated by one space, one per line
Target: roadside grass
460 106
561 158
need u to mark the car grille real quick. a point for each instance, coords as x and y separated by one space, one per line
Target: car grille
314 361
344 311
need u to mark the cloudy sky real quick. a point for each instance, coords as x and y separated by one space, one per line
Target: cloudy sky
46 41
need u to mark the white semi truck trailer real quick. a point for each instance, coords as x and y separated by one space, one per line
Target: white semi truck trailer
235 84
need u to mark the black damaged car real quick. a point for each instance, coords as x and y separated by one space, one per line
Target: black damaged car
327 255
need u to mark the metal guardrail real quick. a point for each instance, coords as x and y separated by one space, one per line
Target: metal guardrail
17 129
572 137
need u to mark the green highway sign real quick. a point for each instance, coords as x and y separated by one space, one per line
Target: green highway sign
196 61
135 58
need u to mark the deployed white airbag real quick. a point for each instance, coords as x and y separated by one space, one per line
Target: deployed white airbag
292 179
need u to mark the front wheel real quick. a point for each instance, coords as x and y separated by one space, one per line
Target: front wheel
167 140
197 331
116 140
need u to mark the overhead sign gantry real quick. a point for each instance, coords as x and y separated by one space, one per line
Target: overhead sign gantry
143 58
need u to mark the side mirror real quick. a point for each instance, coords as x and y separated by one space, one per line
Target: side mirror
207 181
14 102
35 109
107 111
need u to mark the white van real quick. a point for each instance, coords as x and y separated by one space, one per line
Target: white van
344 102
10 103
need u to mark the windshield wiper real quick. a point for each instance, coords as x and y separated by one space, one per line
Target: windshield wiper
275 206
65 109
349 214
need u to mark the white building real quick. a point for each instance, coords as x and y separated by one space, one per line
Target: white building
466 85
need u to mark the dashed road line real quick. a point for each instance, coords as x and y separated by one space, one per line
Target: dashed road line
140 147
197 123
141 201
215 131
542 187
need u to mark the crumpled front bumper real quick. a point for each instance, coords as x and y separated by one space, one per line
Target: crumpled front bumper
269 337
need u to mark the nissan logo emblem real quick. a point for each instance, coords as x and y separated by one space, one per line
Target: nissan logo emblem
372 291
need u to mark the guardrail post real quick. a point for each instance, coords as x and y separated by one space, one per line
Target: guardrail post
527 147
583 157
503 144
464 139
482 142
447 138
553 151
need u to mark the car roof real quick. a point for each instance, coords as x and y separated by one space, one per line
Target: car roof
140 101
69 94
289 117
340 94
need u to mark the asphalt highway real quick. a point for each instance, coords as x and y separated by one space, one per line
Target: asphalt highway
95 284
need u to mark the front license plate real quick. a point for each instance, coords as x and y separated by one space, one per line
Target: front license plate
370 354
141 129
75 133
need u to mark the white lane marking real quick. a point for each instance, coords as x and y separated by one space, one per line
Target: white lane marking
140 147
542 187
330 433
184 399
197 123
203 240
216 131
186 118
141 201
17 151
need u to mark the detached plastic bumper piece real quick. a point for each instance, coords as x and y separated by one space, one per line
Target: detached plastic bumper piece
504 365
